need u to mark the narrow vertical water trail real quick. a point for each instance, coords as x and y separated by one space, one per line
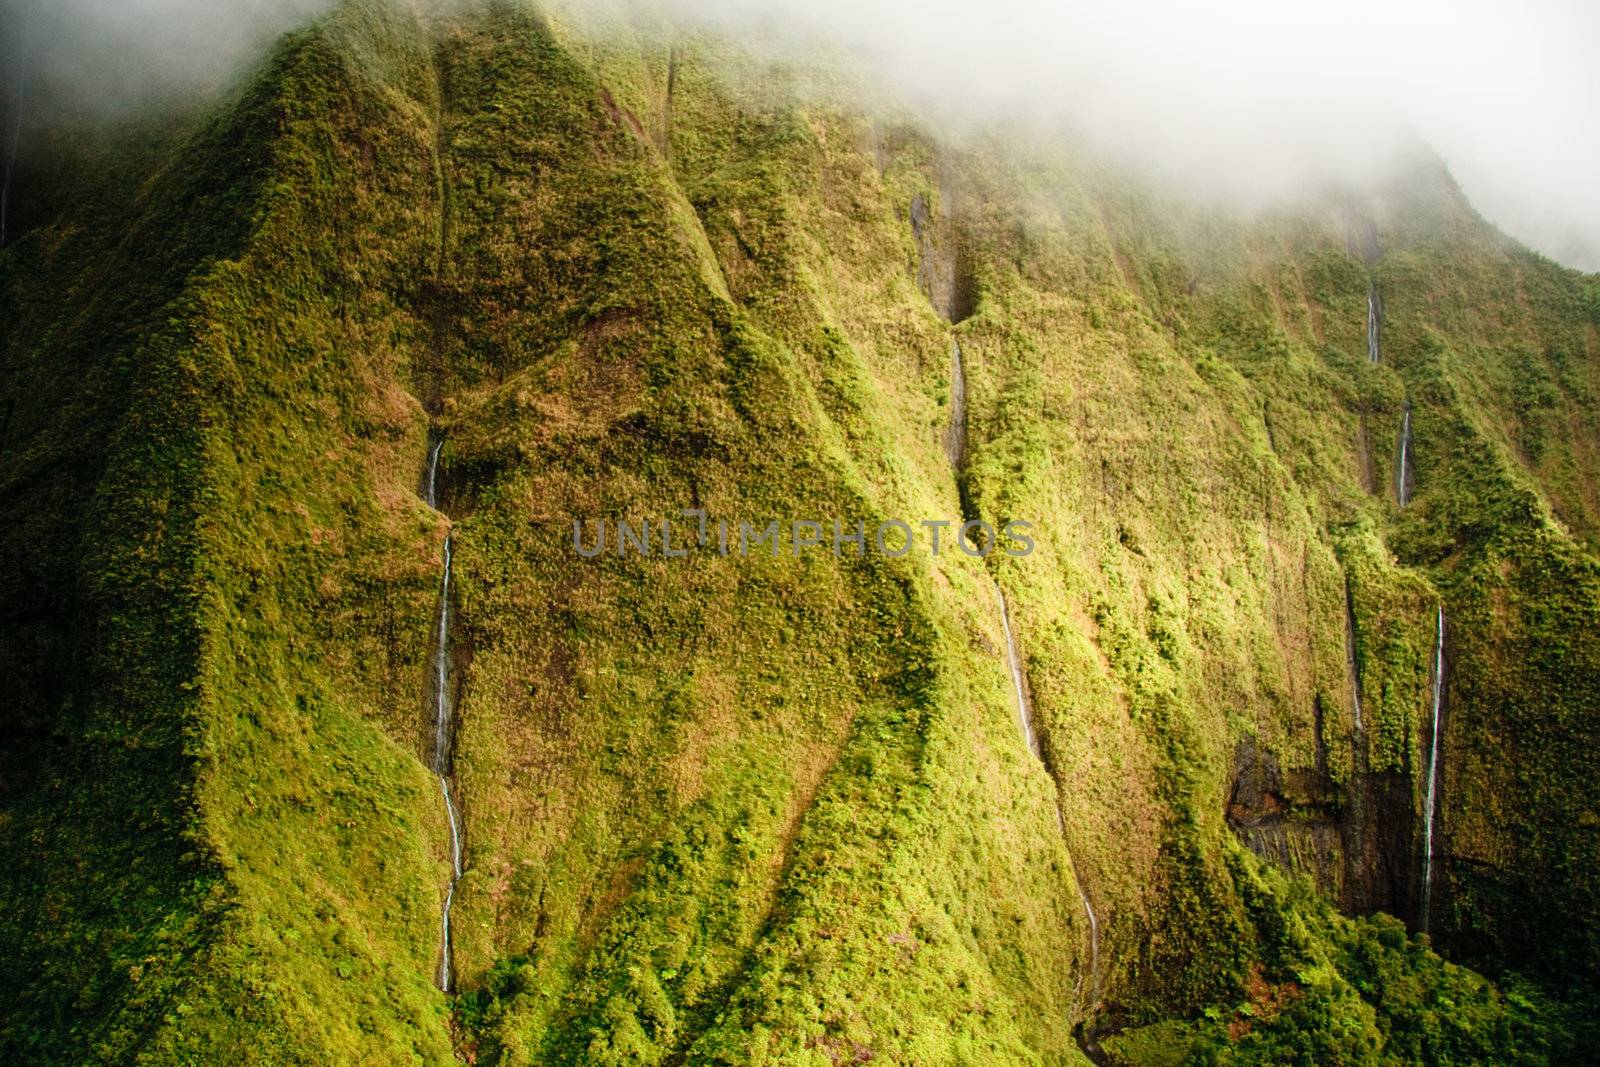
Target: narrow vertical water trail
1025 722
432 487
1361 861
1374 323
955 436
1024 712
443 716
1350 654
1402 470
1092 1001
1430 795
444 977
443 712
441 669
955 440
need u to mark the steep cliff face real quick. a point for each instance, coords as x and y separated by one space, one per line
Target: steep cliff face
774 806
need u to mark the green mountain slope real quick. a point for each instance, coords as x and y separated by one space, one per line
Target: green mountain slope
775 807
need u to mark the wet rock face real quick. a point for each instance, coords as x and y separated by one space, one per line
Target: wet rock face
955 435
1355 843
1257 794
1263 792
1286 818
1378 827
919 215
942 272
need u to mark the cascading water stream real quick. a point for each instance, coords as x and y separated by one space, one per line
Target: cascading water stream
1024 715
1350 653
1025 721
1374 322
432 496
1430 796
450 893
955 442
442 723
1402 471
441 672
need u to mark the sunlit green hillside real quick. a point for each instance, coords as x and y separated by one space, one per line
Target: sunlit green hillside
776 807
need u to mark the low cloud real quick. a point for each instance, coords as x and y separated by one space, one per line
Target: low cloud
91 58
1254 98
1259 98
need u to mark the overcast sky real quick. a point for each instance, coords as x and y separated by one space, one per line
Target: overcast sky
1252 96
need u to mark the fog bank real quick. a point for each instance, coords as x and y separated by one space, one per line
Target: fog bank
1260 97
1248 97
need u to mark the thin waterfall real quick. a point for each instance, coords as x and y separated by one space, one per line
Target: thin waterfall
442 723
1024 714
1403 475
441 671
433 474
455 876
1025 721
1350 653
1374 322
1402 470
955 449
1094 933
955 436
1359 829
1430 797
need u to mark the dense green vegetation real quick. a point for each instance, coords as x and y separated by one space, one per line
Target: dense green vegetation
1329 990
772 809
